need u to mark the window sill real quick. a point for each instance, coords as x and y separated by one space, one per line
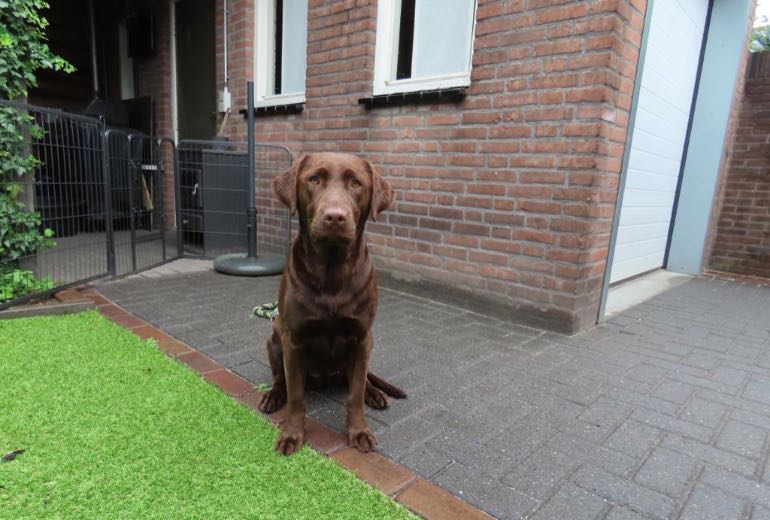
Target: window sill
446 95
290 108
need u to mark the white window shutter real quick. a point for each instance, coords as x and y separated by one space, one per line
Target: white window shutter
442 37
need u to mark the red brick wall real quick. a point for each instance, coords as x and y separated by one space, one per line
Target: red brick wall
742 240
508 195
154 78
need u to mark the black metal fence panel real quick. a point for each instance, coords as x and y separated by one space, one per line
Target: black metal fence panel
136 183
213 194
52 201
79 201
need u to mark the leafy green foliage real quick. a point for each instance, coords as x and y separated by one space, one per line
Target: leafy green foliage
760 39
23 47
19 231
21 282
23 51
15 159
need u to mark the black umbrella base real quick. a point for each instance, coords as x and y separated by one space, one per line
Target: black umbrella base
241 265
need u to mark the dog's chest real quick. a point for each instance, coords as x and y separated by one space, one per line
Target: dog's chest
332 338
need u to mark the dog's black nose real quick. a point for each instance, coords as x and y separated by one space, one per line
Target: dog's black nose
335 216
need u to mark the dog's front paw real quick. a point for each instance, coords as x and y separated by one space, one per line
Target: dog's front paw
272 401
363 440
290 442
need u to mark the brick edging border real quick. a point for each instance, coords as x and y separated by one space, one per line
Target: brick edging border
741 278
398 482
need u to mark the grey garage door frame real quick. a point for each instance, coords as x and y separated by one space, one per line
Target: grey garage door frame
722 52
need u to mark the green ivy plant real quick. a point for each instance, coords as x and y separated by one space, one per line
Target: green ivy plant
21 282
23 52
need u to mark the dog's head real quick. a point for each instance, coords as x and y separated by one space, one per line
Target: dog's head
334 194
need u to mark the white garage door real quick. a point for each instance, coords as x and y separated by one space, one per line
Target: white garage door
663 111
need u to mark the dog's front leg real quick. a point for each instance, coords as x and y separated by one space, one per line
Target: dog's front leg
293 429
359 435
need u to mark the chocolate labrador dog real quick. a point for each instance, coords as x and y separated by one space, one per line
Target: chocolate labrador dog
328 295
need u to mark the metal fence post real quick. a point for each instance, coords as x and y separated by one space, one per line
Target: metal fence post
158 188
252 211
111 265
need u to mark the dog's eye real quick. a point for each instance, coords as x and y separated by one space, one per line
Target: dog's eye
356 183
314 179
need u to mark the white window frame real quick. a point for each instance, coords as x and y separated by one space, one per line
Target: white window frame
264 56
386 56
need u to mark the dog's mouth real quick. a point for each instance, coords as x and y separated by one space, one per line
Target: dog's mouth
335 237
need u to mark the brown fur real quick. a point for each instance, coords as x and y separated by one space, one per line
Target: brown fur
328 295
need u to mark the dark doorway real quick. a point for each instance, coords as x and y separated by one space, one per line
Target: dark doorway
195 69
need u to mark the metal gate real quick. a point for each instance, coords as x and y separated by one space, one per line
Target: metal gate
84 201
137 217
212 181
78 201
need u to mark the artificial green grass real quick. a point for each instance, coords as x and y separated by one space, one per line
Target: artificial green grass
114 429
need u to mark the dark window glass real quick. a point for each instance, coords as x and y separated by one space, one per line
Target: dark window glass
278 46
405 40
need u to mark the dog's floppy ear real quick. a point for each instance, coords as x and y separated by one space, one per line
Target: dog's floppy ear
382 193
285 185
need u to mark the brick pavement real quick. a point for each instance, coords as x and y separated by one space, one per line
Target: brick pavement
663 412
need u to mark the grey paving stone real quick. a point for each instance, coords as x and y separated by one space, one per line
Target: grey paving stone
743 439
760 513
623 513
708 503
487 459
642 400
525 437
647 373
634 438
710 454
255 372
763 421
624 492
728 375
605 413
233 358
758 389
705 382
425 461
667 471
488 494
673 391
704 412
672 424
406 435
574 503
738 485
701 359
542 471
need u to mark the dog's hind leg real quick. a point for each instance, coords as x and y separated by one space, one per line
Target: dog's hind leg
275 398
378 390
374 397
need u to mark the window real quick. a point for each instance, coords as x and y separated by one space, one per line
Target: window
125 63
423 45
281 52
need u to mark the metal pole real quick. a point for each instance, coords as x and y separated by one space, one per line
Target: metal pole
107 173
94 65
252 211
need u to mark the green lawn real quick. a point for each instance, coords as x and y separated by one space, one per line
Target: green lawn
114 429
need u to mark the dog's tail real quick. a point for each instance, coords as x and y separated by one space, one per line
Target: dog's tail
389 389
